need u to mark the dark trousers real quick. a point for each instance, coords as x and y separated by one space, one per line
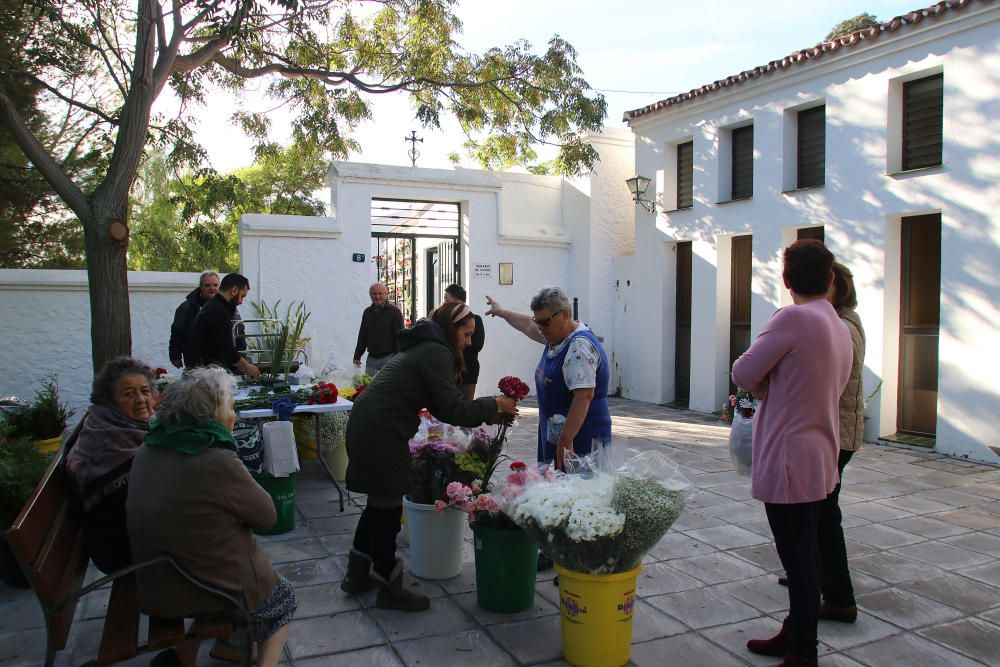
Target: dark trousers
836 582
376 536
796 537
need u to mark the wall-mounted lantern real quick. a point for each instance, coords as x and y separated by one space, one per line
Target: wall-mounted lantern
638 185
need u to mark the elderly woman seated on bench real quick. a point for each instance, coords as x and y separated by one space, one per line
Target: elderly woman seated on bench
193 499
99 456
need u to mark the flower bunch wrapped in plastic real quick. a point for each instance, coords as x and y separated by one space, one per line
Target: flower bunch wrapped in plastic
482 502
602 523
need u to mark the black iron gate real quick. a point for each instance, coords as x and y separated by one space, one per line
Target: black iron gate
404 231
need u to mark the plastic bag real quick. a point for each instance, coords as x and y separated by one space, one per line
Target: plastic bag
741 444
280 455
248 445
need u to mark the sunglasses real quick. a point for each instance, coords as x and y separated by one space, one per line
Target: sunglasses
545 321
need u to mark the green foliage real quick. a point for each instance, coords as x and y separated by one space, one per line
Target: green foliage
21 468
45 418
282 339
853 24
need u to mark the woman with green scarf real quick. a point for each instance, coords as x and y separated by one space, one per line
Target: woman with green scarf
192 498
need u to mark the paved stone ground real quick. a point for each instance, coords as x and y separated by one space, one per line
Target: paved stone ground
923 535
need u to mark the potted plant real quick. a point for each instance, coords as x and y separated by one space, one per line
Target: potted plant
282 339
21 468
44 420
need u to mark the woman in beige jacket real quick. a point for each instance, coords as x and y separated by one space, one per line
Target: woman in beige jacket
838 593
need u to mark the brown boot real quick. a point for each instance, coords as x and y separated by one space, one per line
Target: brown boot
776 646
358 578
831 612
392 594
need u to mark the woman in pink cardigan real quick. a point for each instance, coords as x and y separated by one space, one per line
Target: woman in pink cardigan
799 365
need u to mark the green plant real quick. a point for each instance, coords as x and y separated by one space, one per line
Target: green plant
282 334
21 468
45 418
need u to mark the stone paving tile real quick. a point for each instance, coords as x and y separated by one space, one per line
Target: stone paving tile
763 593
446 618
467 648
324 600
727 537
969 595
379 656
284 552
943 555
689 649
531 641
880 536
909 650
916 505
907 609
649 623
976 519
989 573
926 527
764 556
716 568
956 498
703 607
661 577
333 634
972 637
678 545
309 572
733 638
875 511
867 628
891 567
984 543
467 603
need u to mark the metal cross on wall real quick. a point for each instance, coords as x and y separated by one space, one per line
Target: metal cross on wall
413 152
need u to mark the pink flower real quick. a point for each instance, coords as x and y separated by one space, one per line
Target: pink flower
440 505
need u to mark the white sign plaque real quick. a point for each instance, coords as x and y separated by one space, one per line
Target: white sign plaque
483 270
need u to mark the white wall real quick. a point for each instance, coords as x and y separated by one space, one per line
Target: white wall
46 327
860 207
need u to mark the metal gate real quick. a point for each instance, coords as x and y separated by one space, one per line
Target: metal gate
404 231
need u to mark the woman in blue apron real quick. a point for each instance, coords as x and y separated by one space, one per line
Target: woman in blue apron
571 381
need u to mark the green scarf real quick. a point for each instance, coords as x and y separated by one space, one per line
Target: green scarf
189 437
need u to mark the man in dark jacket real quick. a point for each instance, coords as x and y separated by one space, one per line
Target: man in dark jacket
208 286
380 323
211 340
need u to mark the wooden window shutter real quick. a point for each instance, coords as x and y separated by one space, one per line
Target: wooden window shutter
685 175
923 122
742 162
812 148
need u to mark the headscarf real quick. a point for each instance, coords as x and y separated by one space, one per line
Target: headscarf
100 450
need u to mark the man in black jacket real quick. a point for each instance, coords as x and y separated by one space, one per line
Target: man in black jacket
380 322
211 340
208 286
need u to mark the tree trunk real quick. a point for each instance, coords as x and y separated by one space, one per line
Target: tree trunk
110 319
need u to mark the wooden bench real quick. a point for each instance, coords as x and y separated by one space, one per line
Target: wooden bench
47 540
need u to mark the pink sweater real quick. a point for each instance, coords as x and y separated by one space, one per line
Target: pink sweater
804 354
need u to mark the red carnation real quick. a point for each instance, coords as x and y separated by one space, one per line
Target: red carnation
518 466
513 387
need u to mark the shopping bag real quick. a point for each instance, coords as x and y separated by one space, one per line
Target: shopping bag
248 444
280 457
741 443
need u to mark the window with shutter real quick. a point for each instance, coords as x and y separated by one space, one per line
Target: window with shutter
812 148
923 119
742 162
685 175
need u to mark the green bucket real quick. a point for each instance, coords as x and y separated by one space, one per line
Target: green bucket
282 492
506 563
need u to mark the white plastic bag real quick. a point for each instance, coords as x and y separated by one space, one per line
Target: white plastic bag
280 456
741 443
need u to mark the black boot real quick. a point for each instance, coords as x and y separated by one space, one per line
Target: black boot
358 578
392 594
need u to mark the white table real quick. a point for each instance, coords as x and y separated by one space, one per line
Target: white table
341 405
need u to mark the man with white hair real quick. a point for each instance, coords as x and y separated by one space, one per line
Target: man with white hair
208 286
380 322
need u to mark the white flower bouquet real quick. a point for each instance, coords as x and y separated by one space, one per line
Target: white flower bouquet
602 523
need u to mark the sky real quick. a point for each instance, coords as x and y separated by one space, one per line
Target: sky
635 53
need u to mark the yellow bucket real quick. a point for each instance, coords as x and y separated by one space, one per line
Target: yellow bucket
596 614
304 427
49 445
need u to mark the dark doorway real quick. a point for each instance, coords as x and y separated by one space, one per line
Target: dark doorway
682 346
404 231
739 302
919 324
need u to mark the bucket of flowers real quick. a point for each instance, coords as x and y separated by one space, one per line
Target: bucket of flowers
597 528
506 556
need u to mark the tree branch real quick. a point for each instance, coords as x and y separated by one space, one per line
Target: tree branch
67 190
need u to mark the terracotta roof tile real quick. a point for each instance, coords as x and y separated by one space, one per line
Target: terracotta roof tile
805 55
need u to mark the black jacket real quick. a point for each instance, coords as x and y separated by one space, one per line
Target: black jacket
471 353
183 319
211 338
384 417
378 330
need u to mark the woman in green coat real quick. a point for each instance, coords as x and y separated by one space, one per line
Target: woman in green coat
424 374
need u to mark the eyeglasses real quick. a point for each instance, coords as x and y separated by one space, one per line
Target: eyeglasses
545 321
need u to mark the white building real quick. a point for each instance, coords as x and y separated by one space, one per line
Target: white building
882 144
